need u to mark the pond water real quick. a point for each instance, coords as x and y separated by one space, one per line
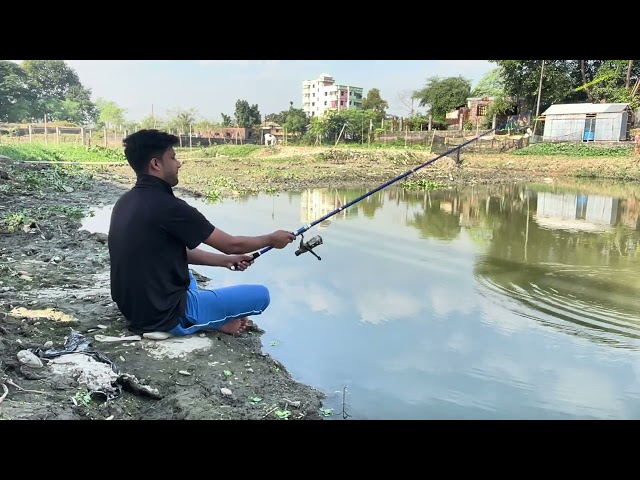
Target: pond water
503 302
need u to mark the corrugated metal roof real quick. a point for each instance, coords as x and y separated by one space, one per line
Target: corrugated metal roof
572 108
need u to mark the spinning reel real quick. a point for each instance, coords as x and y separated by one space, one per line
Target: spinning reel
309 245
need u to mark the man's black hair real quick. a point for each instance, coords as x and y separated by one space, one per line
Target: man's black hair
140 147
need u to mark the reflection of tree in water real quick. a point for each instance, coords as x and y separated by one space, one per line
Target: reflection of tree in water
440 217
369 205
446 212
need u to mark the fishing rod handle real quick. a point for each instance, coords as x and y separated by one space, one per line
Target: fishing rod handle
254 255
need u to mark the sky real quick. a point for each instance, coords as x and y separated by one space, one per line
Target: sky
212 87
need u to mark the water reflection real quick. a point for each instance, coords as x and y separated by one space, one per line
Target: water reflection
569 259
316 203
572 211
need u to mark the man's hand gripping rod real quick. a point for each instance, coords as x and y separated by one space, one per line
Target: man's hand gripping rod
304 247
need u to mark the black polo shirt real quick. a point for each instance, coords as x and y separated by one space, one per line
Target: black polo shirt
149 232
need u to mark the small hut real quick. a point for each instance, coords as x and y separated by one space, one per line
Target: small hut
588 122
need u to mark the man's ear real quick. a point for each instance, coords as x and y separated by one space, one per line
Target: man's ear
154 164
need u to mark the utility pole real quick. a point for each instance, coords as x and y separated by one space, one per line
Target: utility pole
540 90
535 123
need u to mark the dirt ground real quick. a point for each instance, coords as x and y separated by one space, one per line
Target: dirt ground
65 352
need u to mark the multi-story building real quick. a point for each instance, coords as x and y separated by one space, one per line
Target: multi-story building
324 94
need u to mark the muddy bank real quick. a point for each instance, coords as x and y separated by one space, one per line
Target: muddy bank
54 288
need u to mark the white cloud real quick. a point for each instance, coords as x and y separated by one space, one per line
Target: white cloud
377 307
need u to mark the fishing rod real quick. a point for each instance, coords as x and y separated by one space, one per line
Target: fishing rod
316 241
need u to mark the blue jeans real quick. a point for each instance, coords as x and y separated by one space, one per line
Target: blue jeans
210 309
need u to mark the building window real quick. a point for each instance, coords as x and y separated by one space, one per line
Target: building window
325 94
325 103
481 110
342 102
313 104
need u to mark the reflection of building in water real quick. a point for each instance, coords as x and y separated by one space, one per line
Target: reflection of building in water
319 202
576 212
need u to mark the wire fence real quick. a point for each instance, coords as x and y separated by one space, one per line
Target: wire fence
112 137
439 141
55 135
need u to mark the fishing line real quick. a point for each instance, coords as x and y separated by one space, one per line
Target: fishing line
316 241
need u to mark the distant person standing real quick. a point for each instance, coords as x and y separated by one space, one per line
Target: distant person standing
153 237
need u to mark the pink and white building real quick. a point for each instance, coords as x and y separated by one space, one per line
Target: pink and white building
324 94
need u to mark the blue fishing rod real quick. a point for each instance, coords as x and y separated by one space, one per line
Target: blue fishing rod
315 241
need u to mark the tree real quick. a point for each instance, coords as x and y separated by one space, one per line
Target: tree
205 127
226 120
181 120
54 79
373 101
110 114
617 81
407 98
522 78
247 116
16 97
588 70
570 81
443 95
296 121
150 121
86 109
490 85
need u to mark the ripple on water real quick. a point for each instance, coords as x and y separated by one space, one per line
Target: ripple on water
589 302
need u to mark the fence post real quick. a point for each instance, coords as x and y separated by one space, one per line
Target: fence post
83 134
57 135
30 134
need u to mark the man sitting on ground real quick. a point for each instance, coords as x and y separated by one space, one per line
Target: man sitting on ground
153 237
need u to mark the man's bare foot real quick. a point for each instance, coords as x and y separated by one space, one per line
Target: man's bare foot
235 326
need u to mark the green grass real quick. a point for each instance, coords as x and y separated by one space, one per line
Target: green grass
575 150
62 153
227 150
421 185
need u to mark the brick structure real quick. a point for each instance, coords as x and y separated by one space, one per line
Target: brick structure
474 111
231 133
477 108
